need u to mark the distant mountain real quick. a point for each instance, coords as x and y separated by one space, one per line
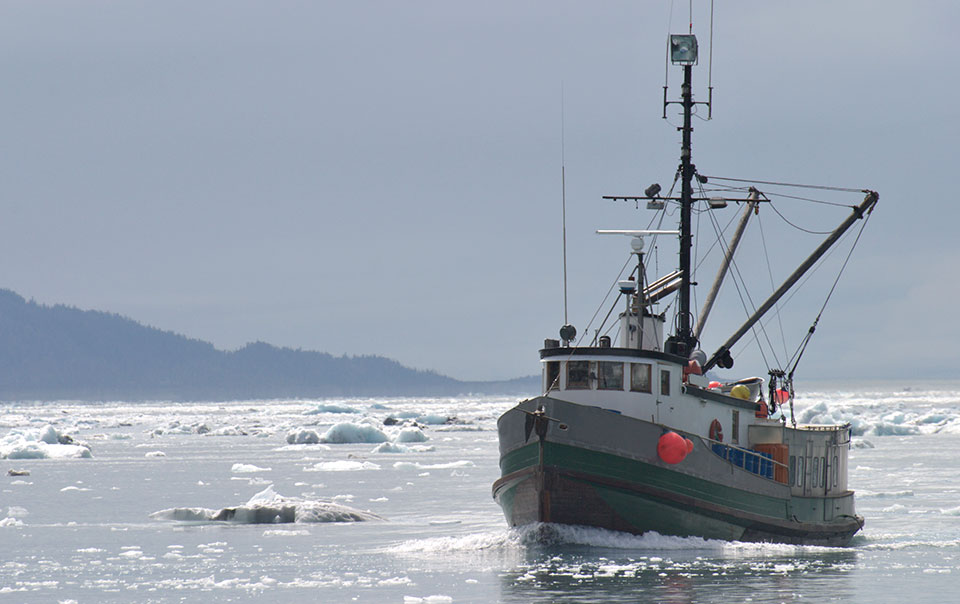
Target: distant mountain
61 352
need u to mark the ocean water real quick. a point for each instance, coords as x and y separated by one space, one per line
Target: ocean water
122 499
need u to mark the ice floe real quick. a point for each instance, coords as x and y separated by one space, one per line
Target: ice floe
410 434
343 465
246 468
348 432
395 448
269 507
331 408
366 430
44 443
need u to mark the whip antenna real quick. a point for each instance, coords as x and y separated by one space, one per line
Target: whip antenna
563 197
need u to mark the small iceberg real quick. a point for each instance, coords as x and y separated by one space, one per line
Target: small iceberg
410 434
269 507
347 432
331 408
45 443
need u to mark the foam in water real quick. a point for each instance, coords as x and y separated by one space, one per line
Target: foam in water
269 507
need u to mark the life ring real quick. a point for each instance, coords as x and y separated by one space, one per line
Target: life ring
716 431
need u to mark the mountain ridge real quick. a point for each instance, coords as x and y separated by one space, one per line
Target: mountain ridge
62 352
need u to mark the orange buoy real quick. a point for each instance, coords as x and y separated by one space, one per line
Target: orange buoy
672 448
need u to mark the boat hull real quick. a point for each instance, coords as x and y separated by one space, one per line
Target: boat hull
597 468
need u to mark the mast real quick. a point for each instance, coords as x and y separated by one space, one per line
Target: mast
685 339
683 51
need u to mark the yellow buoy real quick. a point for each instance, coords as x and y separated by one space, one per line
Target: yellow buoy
741 392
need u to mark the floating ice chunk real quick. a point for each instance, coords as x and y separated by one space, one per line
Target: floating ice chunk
390 448
10 521
347 432
303 437
463 463
176 427
410 435
437 599
246 468
73 488
15 511
155 454
44 443
228 431
331 408
269 507
49 435
342 466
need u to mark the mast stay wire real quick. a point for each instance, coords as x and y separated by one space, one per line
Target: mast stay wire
789 184
741 286
806 340
796 290
738 274
773 287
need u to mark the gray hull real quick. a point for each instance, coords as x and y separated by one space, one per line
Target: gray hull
598 468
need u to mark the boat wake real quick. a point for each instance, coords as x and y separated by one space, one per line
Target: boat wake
547 537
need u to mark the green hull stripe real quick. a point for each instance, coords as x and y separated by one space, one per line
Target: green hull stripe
606 465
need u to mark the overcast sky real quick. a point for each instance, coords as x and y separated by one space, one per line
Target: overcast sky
384 177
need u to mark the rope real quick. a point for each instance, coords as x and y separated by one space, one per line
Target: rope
799 228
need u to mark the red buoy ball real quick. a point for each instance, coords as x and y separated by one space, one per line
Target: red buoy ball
689 445
780 396
713 385
672 447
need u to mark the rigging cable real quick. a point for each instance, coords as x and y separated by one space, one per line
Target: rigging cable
813 327
738 279
799 228
773 286
789 184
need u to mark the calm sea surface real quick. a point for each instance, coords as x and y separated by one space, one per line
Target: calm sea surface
131 522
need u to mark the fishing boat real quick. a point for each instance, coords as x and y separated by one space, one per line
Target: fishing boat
632 432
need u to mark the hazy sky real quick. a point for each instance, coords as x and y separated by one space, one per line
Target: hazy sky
384 177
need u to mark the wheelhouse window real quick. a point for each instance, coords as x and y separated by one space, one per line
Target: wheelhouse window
609 375
578 375
664 382
640 377
553 375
